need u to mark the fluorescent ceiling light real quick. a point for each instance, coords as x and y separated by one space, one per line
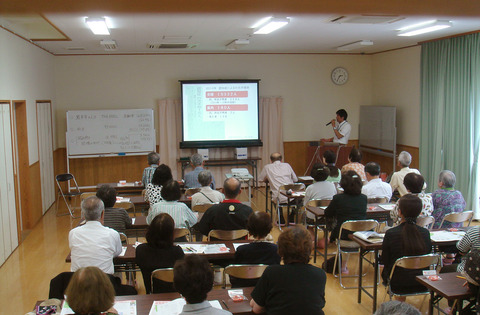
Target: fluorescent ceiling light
271 25
355 45
423 28
98 26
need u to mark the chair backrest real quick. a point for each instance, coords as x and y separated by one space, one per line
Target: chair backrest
458 217
358 225
227 235
85 195
123 237
417 262
64 178
202 208
426 221
319 202
180 232
127 205
244 271
377 200
164 274
294 187
191 191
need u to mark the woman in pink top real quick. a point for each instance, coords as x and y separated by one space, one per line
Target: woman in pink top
355 158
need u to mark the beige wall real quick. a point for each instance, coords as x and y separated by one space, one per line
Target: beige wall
396 82
311 99
26 73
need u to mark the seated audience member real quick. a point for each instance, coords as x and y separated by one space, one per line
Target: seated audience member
153 159
277 174
179 211
230 214
260 251
115 218
414 184
295 287
375 188
396 182
470 241
320 189
93 244
158 252
446 200
355 159
193 279
406 239
329 158
351 205
162 175
396 308
91 292
191 178
206 195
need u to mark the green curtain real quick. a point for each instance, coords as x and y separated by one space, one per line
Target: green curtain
450 113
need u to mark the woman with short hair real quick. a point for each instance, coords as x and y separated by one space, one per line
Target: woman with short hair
295 287
447 200
354 164
320 189
158 252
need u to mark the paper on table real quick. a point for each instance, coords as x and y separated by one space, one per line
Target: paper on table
128 307
298 193
66 310
174 307
192 248
446 236
370 236
387 206
235 245
216 249
133 220
120 199
305 177
124 249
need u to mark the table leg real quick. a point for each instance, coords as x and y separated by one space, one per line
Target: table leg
315 242
375 280
325 234
360 275
430 303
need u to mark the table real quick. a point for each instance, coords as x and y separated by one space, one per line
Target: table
139 201
450 288
252 162
366 247
145 301
129 256
136 187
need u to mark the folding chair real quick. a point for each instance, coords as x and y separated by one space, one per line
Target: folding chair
181 232
67 179
85 195
348 247
426 221
243 272
163 274
413 262
202 208
458 217
377 200
280 206
191 191
127 205
315 203
227 235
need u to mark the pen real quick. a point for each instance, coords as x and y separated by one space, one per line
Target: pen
224 303
460 277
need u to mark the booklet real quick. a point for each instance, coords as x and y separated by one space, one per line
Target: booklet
174 307
370 236
446 236
128 307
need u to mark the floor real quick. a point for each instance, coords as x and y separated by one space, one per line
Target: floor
26 275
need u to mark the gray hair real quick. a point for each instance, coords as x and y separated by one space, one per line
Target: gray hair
92 208
196 159
396 308
205 178
447 178
405 158
153 158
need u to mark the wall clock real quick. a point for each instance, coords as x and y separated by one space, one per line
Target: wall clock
339 75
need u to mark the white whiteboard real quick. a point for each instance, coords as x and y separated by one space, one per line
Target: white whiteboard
105 132
378 127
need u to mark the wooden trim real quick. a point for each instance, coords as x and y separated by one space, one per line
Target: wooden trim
27 40
65 39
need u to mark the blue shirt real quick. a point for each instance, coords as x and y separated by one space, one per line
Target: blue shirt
191 179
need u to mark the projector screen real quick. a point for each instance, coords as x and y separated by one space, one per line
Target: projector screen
220 113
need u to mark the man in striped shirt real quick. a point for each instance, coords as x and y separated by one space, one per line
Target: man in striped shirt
115 218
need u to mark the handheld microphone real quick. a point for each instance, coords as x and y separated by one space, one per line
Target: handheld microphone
328 123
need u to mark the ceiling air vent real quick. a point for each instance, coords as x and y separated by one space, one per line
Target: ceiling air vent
109 45
366 19
168 46
75 48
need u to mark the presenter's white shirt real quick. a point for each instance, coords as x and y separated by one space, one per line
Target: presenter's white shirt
344 128
93 244
377 189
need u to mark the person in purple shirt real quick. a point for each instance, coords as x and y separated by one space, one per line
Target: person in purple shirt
446 200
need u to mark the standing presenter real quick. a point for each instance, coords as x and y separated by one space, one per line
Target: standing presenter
341 128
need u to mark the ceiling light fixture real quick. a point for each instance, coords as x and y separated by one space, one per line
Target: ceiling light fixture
355 45
423 28
98 26
270 25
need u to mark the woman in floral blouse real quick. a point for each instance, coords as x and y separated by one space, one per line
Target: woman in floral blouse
447 200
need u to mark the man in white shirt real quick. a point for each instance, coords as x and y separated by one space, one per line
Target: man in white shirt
396 182
341 128
92 244
375 188
206 195
278 174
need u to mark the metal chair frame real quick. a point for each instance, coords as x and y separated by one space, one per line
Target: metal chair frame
191 191
202 208
354 226
127 205
66 178
458 217
227 235
243 272
427 221
280 206
180 232
164 274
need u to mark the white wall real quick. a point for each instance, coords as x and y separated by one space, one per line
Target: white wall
396 82
311 99
26 73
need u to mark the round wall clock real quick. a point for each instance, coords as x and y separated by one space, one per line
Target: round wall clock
339 75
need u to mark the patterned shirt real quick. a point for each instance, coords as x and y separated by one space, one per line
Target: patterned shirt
471 240
177 210
427 208
148 174
153 193
357 167
446 201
